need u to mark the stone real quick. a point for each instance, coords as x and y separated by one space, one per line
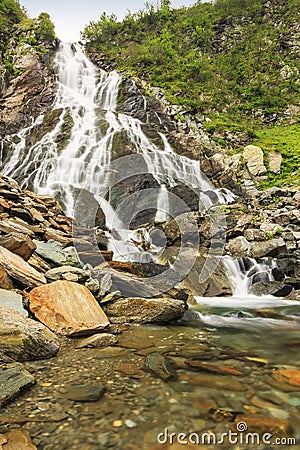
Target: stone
18 243
93 285
14 378
10 226
259 423
111 297
54 252
67 308
239 246
274 161
276 288
272 247
84 393
294 295
25 339
222 370
12 300
254 158
17 440
58 272
5 280
292 376
98 341
19 269
160 366
38 263
68 276
141 310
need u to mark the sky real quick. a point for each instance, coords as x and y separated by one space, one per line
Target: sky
70 16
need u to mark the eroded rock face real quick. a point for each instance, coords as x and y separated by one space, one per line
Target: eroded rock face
141 310
67 308
25 339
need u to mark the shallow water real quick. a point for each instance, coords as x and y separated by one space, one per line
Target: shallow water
138 406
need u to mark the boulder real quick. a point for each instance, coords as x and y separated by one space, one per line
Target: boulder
59 272
18 243
14 378
19 269
25 339
12 300
272 247
254 158
56 255
141 310
275 161
275 288
67 308
239 246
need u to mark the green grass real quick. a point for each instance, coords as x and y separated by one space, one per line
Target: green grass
286 140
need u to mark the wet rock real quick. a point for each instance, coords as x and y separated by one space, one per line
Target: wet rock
259 423
54 252
223 370
18 243
16 440
160 366
67 308
275 288
5 280
12 300
13 379
141 310
272 247
58 272
292 376
254 158
84 393
25 339
19 269
98 341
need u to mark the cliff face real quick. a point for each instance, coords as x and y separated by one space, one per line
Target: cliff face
26 72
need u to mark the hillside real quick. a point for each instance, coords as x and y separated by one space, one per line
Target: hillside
233 62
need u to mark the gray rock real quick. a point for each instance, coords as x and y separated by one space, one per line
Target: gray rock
84 393
141 310
56 273
58 256
272 247
93 285
159 366
14 378
275 288
239 246
12 300
25 339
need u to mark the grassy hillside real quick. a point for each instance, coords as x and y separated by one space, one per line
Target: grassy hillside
236 61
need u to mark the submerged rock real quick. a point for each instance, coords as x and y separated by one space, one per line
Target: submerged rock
67 308
17 439
13 379
141 310
25 339
84 393
159 366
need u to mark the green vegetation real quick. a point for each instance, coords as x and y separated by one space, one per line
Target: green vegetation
285 140
11 13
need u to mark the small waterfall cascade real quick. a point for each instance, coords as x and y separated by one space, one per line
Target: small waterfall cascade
244 272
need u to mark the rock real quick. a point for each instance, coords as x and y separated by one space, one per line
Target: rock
112 296
67 308
5 280
18 243
294 295
239 246
58 272
252 234
54 252
12 300
19 269
17 440
292 376
141 310
84 393
93 285
25 339
222 370
275 288
160 366
272 247
275 161
38 263
13 379
70 277
260 424
254 158
10 226
98 341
